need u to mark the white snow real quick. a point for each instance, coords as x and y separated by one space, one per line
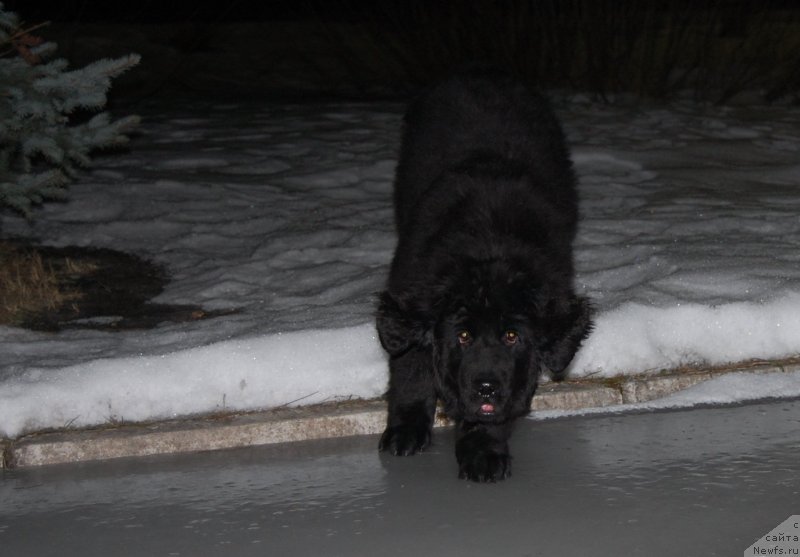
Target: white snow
688 247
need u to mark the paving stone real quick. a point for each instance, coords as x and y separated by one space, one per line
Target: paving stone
565 396
650 388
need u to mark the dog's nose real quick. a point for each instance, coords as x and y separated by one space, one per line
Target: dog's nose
487 389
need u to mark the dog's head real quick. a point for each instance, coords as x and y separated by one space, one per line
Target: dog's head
486 364
492 333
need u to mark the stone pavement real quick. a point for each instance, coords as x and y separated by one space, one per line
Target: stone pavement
324 421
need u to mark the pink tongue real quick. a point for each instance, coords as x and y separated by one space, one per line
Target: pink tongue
487 408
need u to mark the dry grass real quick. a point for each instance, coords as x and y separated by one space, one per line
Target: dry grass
45 288
31 284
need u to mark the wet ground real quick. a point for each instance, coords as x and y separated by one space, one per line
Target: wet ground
696 482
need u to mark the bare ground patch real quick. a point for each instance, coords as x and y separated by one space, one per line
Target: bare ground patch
55 288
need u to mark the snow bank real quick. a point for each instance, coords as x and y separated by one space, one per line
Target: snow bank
651 338
241 374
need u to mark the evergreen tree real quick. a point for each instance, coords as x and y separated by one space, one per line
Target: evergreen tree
41 145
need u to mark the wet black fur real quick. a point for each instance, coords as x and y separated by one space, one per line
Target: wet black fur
486 210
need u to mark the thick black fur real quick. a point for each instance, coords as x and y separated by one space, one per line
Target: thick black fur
480 296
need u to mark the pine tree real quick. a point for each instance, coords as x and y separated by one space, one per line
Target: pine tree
41 144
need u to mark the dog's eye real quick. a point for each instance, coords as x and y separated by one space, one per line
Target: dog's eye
464 337
510 337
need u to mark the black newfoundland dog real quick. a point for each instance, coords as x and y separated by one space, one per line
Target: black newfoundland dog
480 296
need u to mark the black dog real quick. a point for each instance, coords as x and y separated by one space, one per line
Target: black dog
480 297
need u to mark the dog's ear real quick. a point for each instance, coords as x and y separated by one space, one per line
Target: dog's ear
398 327
567 325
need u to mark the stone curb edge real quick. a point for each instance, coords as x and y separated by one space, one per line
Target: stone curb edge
325 421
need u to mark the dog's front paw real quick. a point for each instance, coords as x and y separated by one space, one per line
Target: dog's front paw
484 466
405 440
482 453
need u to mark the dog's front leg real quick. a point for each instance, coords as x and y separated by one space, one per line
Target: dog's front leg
482 451
412 403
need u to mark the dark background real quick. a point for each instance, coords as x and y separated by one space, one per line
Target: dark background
712 50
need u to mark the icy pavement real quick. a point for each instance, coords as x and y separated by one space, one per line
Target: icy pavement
688 247
698 482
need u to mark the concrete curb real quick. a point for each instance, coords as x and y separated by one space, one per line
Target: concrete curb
323 421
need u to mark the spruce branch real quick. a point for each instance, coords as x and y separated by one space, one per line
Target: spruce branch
27 190
41 144
85 87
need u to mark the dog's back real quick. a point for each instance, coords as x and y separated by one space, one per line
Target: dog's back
480 115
